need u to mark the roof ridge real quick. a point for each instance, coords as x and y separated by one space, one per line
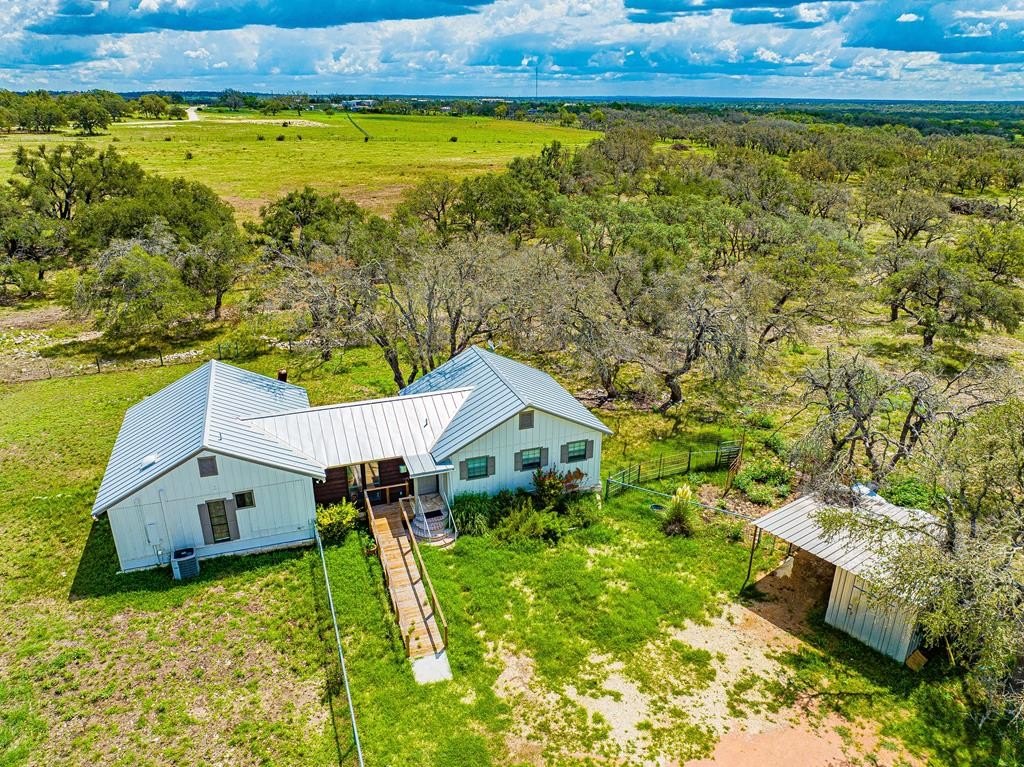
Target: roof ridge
356 403
207 407
509 386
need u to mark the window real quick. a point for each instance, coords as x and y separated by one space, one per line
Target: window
208 466
245 499
576 451
531 459
526 419
219 521
476 468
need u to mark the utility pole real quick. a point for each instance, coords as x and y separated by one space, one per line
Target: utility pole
536 81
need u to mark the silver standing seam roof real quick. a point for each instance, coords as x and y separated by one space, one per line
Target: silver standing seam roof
500 388
796 523
201 411
373 430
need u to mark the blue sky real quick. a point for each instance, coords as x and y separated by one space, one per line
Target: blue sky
828 49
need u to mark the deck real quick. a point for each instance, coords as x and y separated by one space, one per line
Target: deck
422 625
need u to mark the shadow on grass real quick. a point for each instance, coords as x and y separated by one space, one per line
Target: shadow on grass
97 574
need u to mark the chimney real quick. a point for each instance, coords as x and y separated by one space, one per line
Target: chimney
282 374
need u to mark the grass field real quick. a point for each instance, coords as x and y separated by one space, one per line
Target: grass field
225 152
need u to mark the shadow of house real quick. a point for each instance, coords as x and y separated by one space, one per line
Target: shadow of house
98 576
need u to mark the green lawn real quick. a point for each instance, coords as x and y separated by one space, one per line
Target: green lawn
226 152
238 666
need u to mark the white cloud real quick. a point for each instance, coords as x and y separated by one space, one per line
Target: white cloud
904 18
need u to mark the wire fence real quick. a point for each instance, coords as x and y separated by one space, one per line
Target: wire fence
341 652
726 455
38 368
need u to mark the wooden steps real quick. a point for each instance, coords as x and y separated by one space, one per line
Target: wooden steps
420 631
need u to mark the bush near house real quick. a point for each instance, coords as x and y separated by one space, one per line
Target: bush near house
555 507
336 521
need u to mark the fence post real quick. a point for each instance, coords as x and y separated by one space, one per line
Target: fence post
689 459
661 466
718 452
98 368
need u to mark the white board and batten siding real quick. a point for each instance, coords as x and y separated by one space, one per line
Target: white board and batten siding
890 629
164 515
504 441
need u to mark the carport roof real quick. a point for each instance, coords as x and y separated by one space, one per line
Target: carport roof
796 523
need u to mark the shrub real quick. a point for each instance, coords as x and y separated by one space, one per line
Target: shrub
682 517
280 137
763 481
336 521
473 513
910 492
188 155
167 138
524 522
552 488
759 420
260 137
733 532
775 444
583 510
453 139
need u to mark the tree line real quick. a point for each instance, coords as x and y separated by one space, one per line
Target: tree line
88 112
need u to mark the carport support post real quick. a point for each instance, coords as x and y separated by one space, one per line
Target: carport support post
750 564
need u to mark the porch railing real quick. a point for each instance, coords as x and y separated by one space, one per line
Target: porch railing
425 577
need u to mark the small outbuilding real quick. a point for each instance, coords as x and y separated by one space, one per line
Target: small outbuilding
889 628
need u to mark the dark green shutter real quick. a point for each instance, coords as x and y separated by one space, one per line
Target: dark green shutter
565 453
590 449
543 457
490 465
519 461
204 521
463 470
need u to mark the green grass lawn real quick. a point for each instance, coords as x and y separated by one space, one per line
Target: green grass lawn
227 154
238 666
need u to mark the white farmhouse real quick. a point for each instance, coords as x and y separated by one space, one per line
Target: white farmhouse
226 461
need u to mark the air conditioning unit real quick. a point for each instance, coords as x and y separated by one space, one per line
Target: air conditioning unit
184 564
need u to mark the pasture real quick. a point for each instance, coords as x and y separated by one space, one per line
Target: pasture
327 152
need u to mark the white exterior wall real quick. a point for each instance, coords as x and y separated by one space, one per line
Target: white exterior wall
505 440
890 629
164 515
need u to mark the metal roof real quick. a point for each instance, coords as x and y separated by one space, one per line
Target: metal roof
374 430
200 411
500 388
796 523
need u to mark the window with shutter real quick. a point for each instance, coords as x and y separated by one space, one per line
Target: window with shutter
531 459
208 466
219 521
477 468
576 451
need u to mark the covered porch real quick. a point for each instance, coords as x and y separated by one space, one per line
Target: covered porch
383 484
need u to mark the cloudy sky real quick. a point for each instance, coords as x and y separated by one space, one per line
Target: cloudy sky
849 48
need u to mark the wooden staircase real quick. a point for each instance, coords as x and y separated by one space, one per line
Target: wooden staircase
422 623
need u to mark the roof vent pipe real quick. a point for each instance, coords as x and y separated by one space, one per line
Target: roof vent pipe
282 375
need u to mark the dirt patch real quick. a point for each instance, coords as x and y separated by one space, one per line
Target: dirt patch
32 319
801 745
705 692
258 121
